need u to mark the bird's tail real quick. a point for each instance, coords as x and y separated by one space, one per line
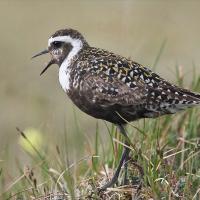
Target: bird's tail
193 95
186 99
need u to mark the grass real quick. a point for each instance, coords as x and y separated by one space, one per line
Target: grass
166 149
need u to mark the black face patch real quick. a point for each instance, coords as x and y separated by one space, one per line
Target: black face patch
59 51
67 47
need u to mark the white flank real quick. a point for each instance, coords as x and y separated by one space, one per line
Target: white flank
64 71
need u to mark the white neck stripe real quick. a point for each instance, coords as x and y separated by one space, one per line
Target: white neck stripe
64 71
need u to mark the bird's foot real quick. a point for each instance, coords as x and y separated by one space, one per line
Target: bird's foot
110 183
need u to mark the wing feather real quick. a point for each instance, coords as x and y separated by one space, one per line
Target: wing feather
115 80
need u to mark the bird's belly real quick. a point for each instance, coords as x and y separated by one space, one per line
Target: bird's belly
117 114
85 105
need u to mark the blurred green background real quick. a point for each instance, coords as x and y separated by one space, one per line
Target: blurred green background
135 29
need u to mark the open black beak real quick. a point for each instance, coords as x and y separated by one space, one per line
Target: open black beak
51 62
41 53
48 64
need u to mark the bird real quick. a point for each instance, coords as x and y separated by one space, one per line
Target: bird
111 87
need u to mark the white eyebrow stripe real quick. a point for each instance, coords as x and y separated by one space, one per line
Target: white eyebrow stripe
61 39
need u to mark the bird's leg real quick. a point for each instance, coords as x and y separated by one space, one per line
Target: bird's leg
125 171
123 131
123 158
128 143
116 175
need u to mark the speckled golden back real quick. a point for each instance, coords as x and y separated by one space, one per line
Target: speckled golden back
107 79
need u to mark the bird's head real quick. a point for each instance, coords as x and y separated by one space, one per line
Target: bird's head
61 44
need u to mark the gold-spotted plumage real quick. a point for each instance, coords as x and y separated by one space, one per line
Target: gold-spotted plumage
111 87
114 88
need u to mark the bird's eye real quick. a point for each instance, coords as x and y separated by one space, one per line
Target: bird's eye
57 44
